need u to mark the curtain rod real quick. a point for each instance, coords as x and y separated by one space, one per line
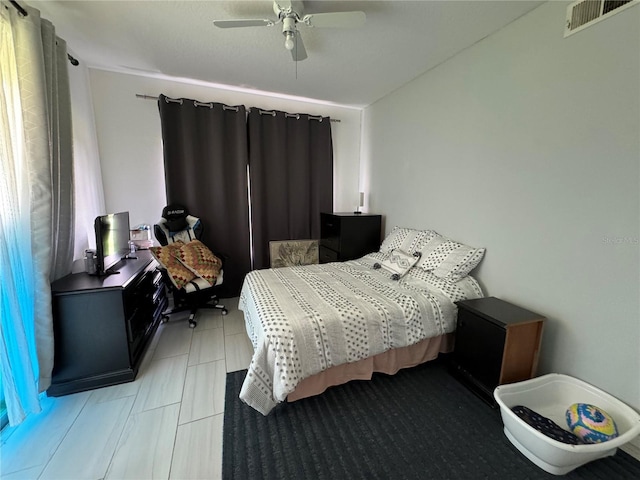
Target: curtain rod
151 97
24 13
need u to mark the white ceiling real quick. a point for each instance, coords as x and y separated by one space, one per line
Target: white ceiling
352 67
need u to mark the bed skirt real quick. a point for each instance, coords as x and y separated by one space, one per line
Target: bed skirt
388 362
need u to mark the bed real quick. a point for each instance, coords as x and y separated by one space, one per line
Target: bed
316 326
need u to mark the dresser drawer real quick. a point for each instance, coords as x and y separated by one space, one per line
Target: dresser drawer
327 255
330 231
349 235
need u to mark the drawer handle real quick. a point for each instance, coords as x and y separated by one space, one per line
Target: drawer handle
329 224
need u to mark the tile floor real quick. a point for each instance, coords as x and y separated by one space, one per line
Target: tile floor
167 424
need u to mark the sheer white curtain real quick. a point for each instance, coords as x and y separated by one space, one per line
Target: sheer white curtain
89 192
36 214
16 269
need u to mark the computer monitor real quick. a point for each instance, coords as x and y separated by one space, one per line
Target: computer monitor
112 240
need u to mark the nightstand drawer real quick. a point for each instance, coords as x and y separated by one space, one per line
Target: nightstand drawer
327 255
496 343
479 347
330 232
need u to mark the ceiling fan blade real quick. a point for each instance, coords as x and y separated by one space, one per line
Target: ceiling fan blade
243 23
298 53
335 19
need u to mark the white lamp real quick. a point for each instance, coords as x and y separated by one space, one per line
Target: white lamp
360 204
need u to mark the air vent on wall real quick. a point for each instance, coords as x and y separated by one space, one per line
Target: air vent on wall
584 13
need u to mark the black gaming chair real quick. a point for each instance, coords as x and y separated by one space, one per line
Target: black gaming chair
176 224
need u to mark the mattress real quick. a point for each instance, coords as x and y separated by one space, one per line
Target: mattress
304 320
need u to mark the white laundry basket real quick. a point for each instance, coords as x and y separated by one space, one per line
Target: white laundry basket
550 396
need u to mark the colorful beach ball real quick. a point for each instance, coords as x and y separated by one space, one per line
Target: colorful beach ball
591 424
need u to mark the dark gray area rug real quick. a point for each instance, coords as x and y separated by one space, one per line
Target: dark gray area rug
418 424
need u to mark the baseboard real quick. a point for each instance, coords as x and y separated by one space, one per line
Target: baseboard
58 389
632 448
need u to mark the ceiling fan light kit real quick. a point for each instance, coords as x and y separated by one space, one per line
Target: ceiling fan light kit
289 31
290 14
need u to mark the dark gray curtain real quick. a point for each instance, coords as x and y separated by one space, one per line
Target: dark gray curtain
291 173
57 87
205 161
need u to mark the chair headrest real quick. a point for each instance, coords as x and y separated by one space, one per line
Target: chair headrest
176 217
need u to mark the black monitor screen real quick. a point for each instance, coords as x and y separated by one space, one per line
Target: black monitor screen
112 239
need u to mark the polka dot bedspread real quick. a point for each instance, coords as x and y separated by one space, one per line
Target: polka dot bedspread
303 320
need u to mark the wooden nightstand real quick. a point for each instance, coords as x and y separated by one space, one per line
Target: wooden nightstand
346 236
496 343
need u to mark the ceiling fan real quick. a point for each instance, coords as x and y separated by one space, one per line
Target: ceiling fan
291 14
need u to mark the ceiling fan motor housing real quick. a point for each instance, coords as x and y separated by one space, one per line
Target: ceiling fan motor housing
286 8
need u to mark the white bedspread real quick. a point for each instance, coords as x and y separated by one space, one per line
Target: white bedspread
302 320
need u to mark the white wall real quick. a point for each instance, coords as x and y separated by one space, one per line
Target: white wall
130 139
528 144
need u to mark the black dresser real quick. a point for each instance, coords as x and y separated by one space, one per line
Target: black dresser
346 236
103 324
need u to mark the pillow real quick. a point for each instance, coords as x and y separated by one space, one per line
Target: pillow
448 259
406 239
200 260
399 263
464 289
175 217
168 258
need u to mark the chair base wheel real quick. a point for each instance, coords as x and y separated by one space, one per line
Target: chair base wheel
179 307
